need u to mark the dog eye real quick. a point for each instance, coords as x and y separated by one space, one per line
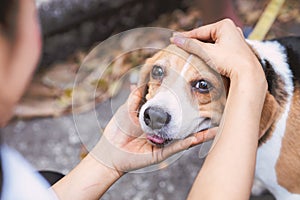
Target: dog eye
157 72
202 86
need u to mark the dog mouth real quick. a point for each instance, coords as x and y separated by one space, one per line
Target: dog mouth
158 140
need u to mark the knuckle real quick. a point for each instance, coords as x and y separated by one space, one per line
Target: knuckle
239 29
227 22
192 47
187 44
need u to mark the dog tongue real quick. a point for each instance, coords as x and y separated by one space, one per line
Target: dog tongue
156 139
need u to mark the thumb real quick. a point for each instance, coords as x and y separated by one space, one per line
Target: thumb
190 141
204 136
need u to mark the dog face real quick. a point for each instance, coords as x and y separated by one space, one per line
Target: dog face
183 96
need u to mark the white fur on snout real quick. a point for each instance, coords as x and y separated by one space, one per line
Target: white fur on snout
185 117
168 103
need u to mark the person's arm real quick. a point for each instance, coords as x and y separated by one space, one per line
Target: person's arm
89 180
116 153
122 148
228 170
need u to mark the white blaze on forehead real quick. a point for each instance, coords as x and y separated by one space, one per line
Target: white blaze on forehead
186 65
162 62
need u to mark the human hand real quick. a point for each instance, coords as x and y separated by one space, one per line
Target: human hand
124 147
223 47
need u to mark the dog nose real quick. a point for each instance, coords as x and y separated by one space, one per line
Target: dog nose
156 118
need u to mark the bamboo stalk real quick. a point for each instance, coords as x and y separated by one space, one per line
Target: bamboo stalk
266 20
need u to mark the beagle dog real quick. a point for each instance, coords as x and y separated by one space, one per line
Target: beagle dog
184 96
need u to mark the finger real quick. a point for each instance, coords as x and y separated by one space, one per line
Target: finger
204 136
210 32
201 49
176 147
240 31
126 118
190 141
179 34
192 46
134 99
133 87
203 33
124 126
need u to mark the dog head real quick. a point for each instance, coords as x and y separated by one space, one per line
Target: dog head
183 95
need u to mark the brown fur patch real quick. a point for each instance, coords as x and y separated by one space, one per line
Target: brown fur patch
269 115
288 164
280 95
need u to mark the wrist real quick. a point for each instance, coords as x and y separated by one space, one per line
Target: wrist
103 170
88 180
251 79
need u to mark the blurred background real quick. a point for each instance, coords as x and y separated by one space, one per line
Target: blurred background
43 129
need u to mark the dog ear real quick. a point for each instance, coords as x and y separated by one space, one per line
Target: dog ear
144 75
269 114
144 78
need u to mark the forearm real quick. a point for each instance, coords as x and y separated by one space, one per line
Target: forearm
89 180
229 168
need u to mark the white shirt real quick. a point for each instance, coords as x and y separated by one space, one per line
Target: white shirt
20 180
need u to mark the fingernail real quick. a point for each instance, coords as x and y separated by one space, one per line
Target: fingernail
177 34
178 40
